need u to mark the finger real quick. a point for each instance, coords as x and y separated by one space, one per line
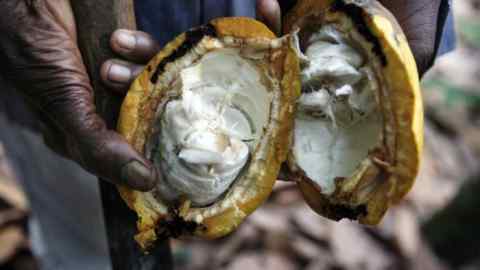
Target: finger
419 21
135 46
424 56
108 155
268 11
118 75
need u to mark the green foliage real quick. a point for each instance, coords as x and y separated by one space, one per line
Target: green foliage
469 30
453 95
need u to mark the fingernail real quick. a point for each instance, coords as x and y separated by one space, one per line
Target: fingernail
119 73
126 40
138 176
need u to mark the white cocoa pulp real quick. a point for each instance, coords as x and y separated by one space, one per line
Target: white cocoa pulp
209 132
337 120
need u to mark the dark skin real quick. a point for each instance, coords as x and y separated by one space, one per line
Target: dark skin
39 54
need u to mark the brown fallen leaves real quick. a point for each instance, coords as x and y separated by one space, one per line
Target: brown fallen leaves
14 244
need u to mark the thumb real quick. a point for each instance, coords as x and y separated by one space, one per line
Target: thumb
268 11
108 155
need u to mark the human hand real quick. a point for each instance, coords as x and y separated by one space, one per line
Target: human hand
39 54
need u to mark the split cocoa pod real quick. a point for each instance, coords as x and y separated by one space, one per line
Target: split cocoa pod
223 106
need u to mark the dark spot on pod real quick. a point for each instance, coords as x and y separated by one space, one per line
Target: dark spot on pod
193 37
356 14
176 226
338 212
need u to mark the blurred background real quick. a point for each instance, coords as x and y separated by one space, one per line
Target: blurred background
434 228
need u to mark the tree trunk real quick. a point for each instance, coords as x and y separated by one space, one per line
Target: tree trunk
96 20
